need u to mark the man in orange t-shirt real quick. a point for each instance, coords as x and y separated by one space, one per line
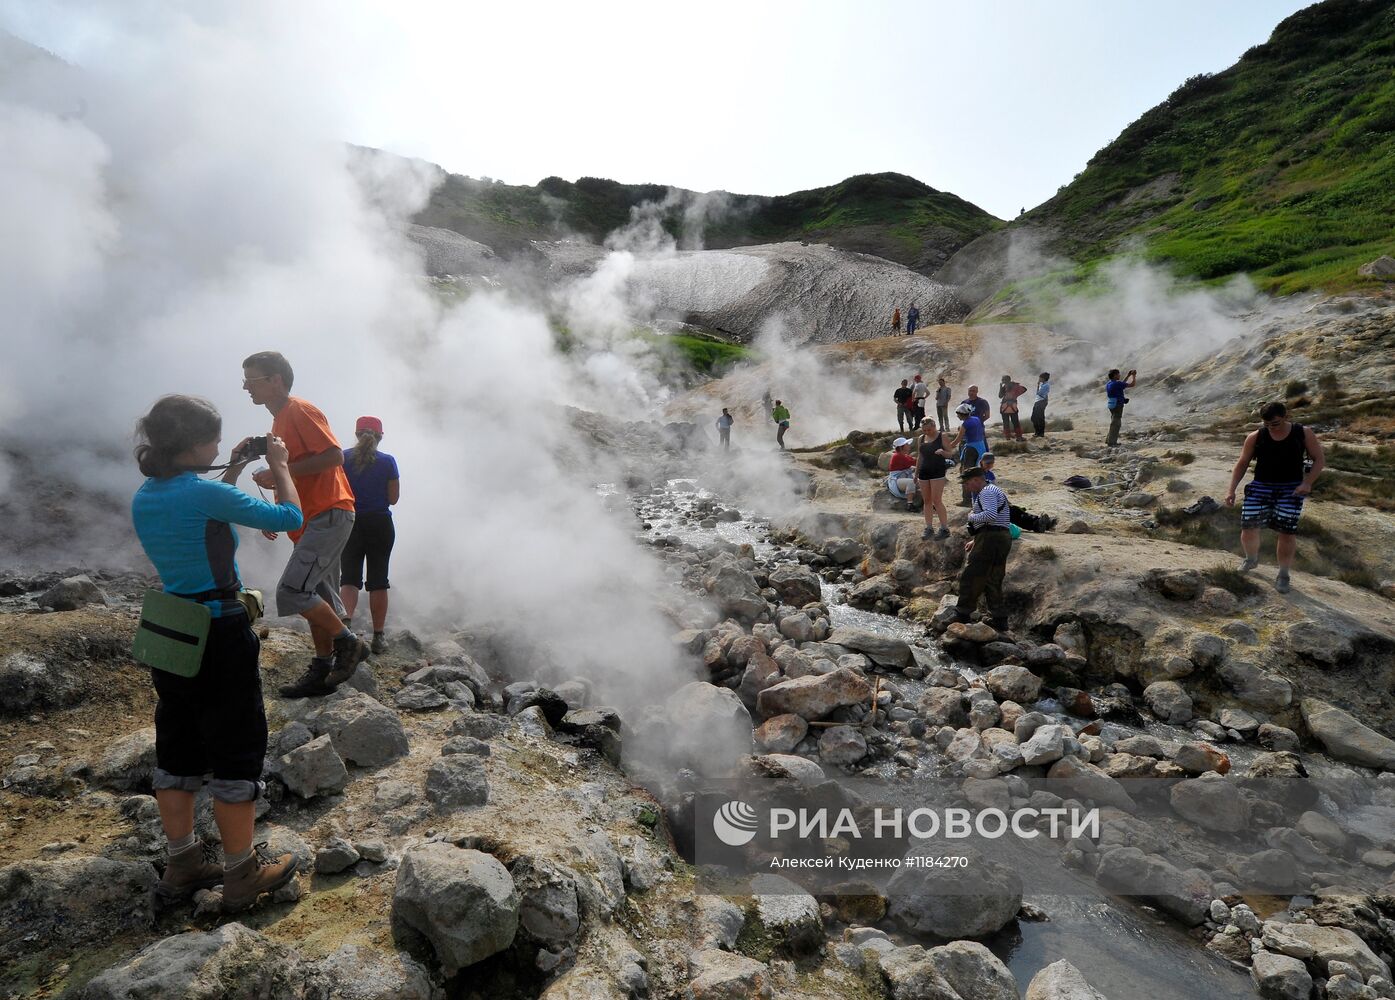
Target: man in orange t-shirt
309 585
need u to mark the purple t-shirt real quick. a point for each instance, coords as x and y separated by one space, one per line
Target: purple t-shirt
370 485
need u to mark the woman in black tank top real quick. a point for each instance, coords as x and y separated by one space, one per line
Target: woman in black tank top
1280 461
930 476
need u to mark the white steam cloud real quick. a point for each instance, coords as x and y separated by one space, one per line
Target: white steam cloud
203 206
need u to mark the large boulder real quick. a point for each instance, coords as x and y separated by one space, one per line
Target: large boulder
1211 801
1337 944
71 594
28 682
796 585
1061 981
910 975
361 972
456 782
781 733
463 902
721 975
789 917
883 650
955 903
126 765
1168 701
1279 977
708 727
1345 738
231 962
1186 895
1255 687
736 593
1382 267
1318 642
1071 777
814 696
71 901
1013 683
312 769
973 971
364 731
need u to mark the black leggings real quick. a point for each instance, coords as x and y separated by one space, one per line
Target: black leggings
370 541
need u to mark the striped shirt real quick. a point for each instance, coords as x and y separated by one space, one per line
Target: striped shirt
991 508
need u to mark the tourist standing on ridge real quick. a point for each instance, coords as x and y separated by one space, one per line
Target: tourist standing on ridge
211 725
901 482
930 477
971 442
982 410
374 479
765 403
1039 407
912 320
1274 498
987 551
904 416
724 423
1008 393
942 395
781 416
896 320
920 392
1116 401
309 586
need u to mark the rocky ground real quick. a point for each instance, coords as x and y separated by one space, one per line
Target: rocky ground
467 831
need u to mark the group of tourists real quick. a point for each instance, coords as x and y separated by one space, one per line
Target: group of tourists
196 632
912 320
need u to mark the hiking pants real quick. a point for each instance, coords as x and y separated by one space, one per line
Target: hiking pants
724 436
942 411
780 434
904 417
1011 425
1116 417
982 575
1039 418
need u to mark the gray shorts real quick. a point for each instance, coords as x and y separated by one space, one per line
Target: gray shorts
312 574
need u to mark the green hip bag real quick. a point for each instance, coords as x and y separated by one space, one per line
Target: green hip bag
173 631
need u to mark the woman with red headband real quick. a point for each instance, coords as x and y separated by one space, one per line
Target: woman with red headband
373 476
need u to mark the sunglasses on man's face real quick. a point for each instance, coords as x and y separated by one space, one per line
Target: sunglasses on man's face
255 378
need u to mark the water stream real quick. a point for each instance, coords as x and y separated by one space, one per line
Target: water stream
1124 949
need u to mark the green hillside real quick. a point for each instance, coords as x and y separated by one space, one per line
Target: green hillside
1283 165
890 215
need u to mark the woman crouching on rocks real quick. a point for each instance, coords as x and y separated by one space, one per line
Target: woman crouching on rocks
209 718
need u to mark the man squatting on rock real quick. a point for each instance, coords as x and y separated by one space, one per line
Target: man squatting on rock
990 518
309 586
1274 498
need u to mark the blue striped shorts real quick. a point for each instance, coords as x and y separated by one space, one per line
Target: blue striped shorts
1271 505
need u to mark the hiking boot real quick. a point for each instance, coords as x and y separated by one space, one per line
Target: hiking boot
1281 583
942 533
379 643
927 534
260 873
349 652
309 684
1247 565
198 866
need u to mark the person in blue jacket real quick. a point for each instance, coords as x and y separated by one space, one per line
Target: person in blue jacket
212 724
1115 399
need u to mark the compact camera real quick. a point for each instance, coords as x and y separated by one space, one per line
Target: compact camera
256 447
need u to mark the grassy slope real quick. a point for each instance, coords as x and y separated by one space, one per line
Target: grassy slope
1284 164
890 215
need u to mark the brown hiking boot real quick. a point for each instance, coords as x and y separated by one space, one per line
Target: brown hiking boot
195 867
349 652
260 873
309 684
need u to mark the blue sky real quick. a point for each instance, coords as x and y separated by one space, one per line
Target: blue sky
999 101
